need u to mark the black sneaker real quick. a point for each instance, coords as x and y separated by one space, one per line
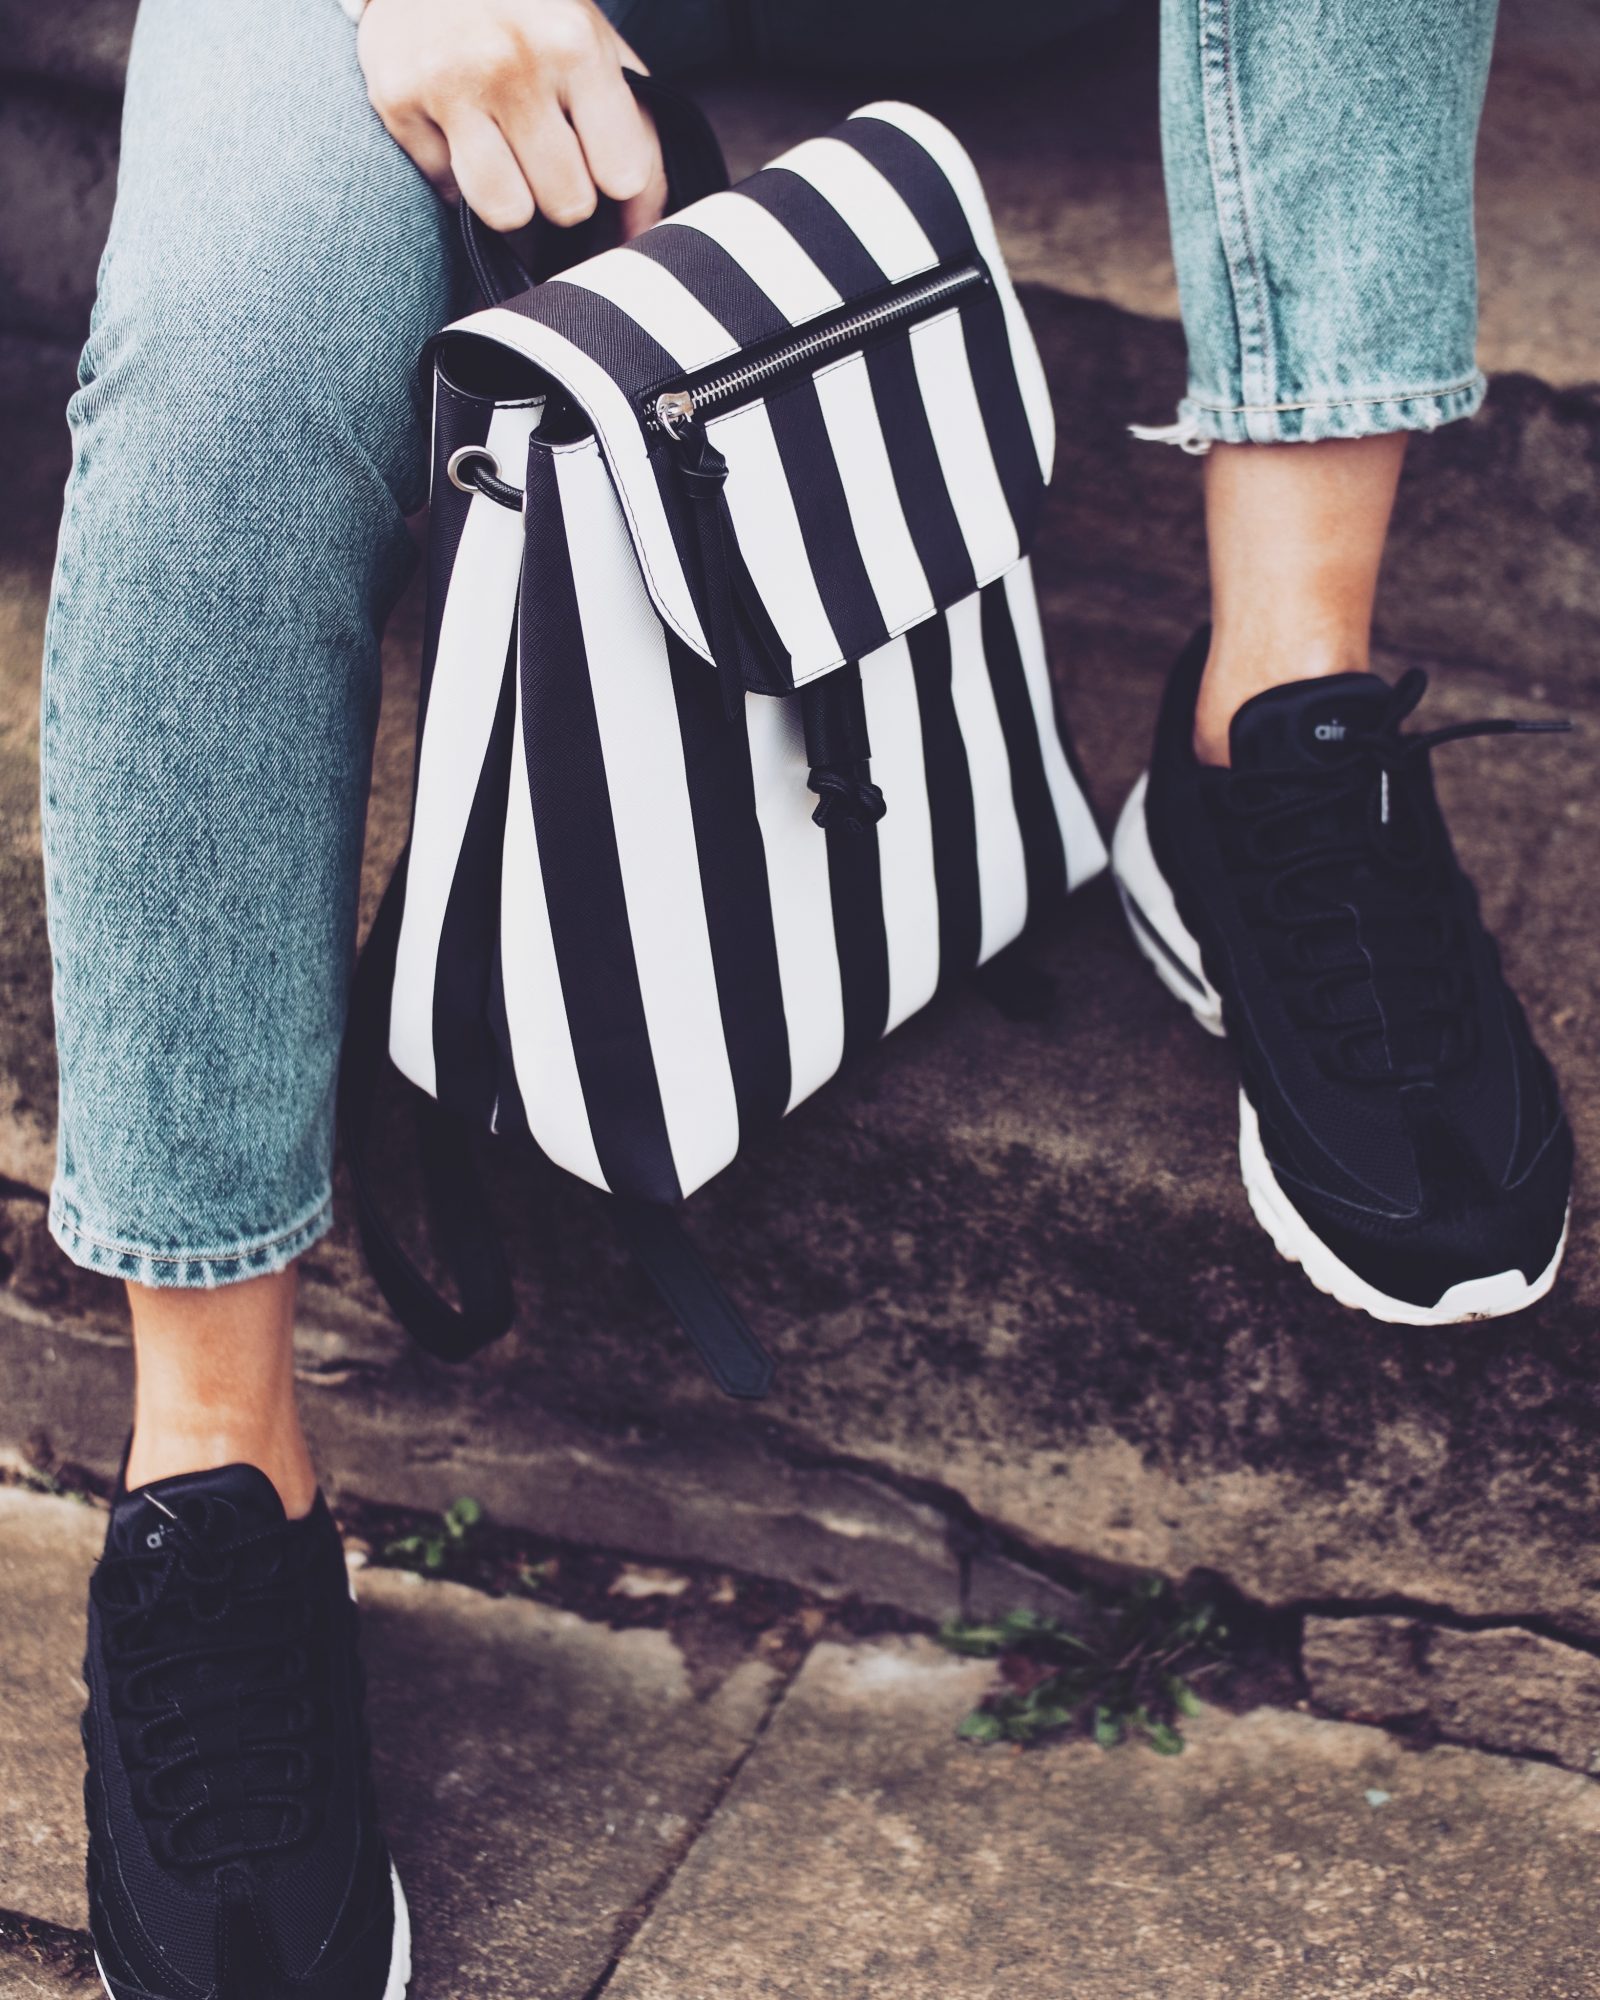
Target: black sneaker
1401 1134
234 1851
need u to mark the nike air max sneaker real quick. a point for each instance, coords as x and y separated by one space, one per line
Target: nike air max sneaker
234 1850
1400 1133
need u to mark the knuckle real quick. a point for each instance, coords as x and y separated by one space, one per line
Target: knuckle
571 36
569 204
505 211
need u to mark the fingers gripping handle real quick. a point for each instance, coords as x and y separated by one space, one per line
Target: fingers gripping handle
694 165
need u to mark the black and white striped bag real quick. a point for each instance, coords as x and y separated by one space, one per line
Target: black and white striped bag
738 741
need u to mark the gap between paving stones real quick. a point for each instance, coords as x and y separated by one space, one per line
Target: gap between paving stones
712 1612
633 1920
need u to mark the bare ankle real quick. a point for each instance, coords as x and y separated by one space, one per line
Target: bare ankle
166 1448
215 1373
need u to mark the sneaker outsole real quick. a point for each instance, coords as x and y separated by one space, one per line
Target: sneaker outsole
399 1951
1168 946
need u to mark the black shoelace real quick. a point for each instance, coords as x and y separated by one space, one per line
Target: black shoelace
209 1645
1354 875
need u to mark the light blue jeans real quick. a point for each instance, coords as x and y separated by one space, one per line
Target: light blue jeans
248 443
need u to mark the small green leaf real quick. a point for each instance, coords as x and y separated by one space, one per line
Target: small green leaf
1184 1698
1163 1738
980 1727
978 1641
461 1515
1108 1729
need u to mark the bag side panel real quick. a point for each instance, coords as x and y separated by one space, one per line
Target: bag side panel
445 952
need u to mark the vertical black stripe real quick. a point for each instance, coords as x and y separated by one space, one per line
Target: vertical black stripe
855 884
922 184
818 227
717 280
950 807
919 180
1005 416
580 865
811 473
463 1048
510 1113
918 477
738 899
1030 789
598 327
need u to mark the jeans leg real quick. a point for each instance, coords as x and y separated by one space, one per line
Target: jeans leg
247 443
1319 161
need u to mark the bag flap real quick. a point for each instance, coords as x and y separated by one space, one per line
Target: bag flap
864 490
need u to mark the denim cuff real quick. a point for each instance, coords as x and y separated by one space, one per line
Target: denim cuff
99 1250
1201 424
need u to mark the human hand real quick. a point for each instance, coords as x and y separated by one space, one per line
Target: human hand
518 106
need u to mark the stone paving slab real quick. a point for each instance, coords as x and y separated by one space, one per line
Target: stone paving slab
47 1548
20 1981
538 1772
863 1854
1502 1689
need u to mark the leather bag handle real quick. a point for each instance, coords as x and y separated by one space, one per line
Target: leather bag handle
504 265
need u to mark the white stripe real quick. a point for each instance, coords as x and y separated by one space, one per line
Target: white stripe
768 531
536 1009
802 902
905 833
890 555
1002 867
468 672
944 376
662 304
769 255
631 679
1086 851
870 204
617 423
952 159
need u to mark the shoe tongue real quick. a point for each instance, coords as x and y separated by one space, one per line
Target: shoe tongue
219 1508
1305 724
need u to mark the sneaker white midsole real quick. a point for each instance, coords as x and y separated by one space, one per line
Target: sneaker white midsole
399 1948
1166 942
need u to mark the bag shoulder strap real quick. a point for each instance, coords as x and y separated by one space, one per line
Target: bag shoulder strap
468 1244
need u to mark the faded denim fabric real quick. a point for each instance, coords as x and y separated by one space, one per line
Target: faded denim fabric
248 442
1319 158
246 448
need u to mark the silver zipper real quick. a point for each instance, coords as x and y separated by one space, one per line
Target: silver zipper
674 408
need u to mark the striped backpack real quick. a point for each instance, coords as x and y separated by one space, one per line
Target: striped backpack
737 738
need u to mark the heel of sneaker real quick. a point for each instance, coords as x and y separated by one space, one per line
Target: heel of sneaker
1158 930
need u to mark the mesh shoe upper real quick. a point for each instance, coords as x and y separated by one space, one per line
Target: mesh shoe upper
233 1843
1404 1105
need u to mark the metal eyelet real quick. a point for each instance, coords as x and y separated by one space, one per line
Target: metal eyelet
465 456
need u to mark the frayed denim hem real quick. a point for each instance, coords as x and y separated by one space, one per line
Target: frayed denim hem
1201 425
193 1270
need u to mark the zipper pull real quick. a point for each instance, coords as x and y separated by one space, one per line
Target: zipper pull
675 412
744 642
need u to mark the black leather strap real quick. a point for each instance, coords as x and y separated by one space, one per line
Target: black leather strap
734 1359
459 1222
468 1243
691 155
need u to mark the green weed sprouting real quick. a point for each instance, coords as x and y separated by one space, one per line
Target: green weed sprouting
433 1550
1129 1675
